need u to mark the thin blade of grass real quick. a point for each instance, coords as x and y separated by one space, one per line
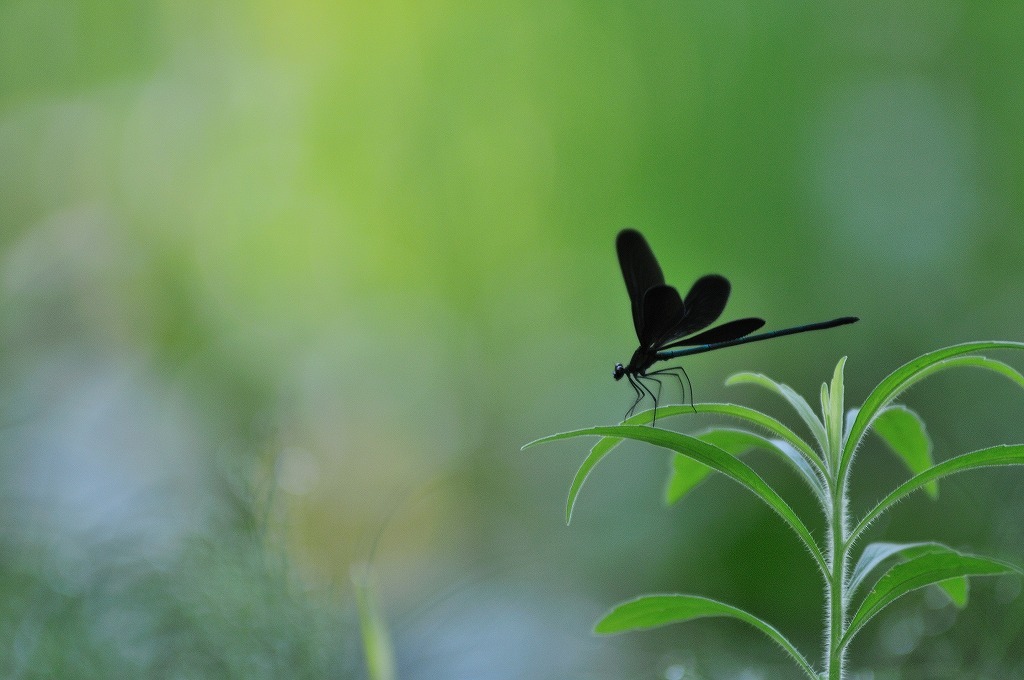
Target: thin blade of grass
380 659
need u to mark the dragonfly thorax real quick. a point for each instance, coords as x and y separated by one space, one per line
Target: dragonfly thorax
638 364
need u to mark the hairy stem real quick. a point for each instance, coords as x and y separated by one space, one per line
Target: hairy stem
835 653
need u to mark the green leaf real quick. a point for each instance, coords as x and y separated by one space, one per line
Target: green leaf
600 450
604 446
932 567
903 378
836 395
685 475
1005 370
652 611
876 553
817 484
688 473
957 590
990 457
771 424
826 413
904 432
713 457
798 403
380 659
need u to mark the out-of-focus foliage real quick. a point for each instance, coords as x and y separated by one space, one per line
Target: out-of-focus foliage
276 278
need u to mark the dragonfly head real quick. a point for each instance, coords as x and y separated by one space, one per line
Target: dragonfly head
619 372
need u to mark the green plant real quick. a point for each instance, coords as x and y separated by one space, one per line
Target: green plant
826 469
380 658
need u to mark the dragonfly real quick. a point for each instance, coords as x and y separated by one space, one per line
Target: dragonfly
665 323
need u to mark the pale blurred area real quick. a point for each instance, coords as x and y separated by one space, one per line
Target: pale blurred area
285 287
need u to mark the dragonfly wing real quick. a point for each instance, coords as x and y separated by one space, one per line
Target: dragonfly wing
703 305
641 272
727 331
662 312
705 302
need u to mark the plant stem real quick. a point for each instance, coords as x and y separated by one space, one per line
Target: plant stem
835 654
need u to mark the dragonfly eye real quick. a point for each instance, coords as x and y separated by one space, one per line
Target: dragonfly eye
618 372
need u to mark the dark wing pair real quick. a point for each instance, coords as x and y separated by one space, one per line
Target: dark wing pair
661 318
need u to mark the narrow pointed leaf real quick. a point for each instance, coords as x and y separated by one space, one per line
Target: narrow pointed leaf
652 611
901 379
955 589
601 449
990 457
876 553
836 397
817 484
1005 370
905 433
688 473
795 400
713 457
826 412
754 417
926 569
605 446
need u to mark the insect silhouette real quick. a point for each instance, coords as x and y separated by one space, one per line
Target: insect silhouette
665 323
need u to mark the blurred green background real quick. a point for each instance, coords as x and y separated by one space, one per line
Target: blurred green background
285 286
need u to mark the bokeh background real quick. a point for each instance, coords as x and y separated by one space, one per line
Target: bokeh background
284 287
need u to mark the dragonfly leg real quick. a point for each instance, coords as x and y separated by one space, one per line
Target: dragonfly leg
655 397
639 395
672 372
683 370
